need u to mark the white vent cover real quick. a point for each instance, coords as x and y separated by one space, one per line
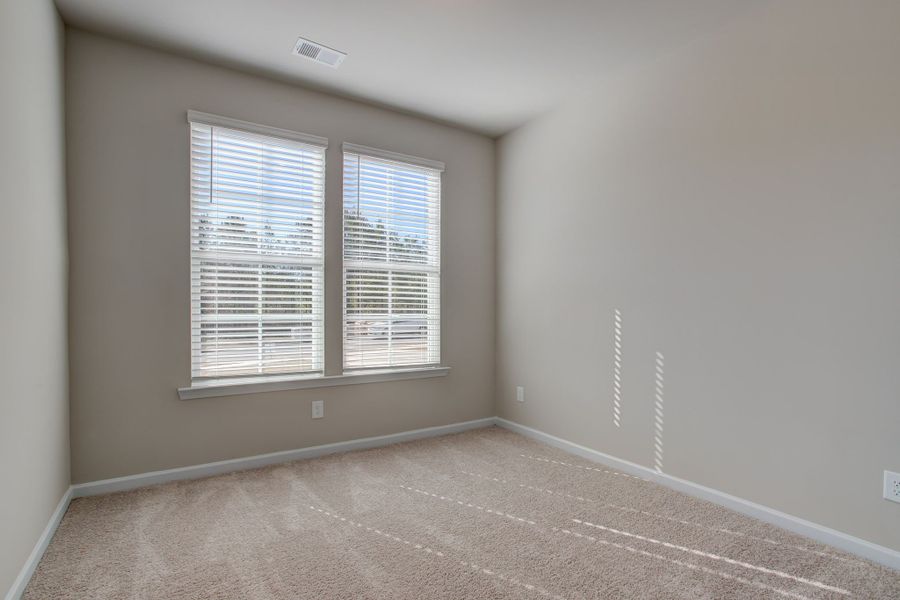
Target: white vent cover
319 53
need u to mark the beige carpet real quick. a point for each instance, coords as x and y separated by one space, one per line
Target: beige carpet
484 514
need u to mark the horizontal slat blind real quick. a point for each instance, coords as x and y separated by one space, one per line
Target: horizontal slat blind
392 263
257 254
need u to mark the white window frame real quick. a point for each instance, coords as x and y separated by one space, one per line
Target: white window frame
434 290
319 144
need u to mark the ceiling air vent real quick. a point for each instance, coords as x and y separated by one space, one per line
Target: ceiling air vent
319 53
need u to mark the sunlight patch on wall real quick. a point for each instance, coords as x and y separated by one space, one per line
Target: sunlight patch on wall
617 369
658 415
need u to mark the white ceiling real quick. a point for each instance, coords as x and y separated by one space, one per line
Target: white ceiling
486 65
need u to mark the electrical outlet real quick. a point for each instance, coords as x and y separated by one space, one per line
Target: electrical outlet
892 486
318 409
520 393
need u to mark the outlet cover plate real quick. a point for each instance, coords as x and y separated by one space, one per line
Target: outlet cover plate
892 486
318 409
520 393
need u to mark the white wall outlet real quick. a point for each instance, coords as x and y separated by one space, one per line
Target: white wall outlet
318 409
892 486
520 393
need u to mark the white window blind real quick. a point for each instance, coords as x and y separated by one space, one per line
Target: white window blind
256 250
392 260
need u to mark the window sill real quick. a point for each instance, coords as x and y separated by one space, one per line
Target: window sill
277 384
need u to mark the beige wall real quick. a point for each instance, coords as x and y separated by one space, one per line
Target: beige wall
34 431
129 251
739 202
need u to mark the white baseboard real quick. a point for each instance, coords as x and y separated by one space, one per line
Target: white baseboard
21 582
826 535
131 482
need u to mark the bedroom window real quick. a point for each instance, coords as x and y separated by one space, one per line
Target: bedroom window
392 260
257 255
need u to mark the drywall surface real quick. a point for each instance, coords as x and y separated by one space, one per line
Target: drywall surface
738 202
34 430
129 249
